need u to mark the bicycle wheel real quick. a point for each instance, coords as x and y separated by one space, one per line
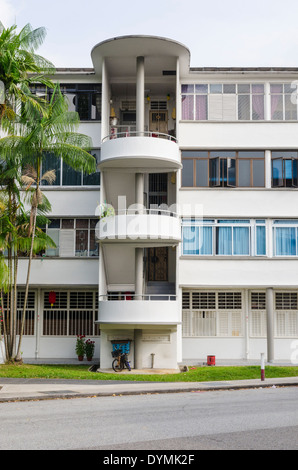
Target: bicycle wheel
117 365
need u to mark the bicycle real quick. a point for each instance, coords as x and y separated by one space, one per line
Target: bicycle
120 361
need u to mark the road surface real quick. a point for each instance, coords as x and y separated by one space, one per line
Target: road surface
261 418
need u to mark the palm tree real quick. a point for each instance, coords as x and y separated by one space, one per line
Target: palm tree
20 67
54 133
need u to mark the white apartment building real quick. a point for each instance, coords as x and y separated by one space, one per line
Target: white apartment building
200 256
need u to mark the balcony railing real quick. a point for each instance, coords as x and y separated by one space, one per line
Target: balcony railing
159 135
137 297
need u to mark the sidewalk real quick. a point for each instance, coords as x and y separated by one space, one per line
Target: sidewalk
46 389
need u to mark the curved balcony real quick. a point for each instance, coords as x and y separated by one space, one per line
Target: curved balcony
145 310
151 227
140 151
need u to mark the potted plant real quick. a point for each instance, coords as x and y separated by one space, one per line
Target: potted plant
80 347
89 349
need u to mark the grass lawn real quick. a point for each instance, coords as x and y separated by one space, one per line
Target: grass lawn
195 374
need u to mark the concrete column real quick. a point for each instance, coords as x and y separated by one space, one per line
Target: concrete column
138 349
267 102
138 273
139 188
140 98
105 107
270 324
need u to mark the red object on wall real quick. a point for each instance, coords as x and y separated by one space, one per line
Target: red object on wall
52 298
210 360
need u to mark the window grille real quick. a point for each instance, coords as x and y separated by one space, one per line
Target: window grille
203 300
258 301
156 105
286 301
258 315
128 105
29 323
229 300
211 314
186 300
73 313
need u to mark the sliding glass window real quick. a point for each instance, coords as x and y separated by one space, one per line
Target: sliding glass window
285 169
222 102
223 168
285 237
67 176
224 237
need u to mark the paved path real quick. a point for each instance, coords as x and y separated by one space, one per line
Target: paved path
41 389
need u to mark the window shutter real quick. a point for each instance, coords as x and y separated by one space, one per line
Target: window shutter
186 324
215 107
67 243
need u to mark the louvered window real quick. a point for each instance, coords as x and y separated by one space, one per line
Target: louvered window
211 313
286 314
258 315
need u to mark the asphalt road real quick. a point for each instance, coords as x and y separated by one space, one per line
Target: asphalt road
244 419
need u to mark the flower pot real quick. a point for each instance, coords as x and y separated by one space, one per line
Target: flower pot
80 358
89 358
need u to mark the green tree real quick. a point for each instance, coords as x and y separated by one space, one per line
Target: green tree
35 136
20 68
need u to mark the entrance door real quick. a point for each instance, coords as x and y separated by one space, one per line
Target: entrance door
158 121
158 264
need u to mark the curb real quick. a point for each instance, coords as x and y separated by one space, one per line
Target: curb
201 388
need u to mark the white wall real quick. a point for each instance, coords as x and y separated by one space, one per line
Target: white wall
238 135
250 272
240 203
77 202
50 272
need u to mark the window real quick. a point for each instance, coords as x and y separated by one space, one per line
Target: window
73 237
83 98
211 314
67 176
286 314
285 237
222 102
29 324
223 168
283 102
223 237
258 321
285 169
73 313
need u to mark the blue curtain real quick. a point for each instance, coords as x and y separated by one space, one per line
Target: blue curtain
190 240
285 241
206 241
261 240
240 240
224 241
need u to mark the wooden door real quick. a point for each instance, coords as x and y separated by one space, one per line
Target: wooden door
158 121
158 264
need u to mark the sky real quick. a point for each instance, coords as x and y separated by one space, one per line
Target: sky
218 33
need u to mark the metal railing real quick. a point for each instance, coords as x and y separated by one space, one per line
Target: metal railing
144 211
135 297
159 135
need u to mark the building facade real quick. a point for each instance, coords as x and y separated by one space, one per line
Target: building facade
199 252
